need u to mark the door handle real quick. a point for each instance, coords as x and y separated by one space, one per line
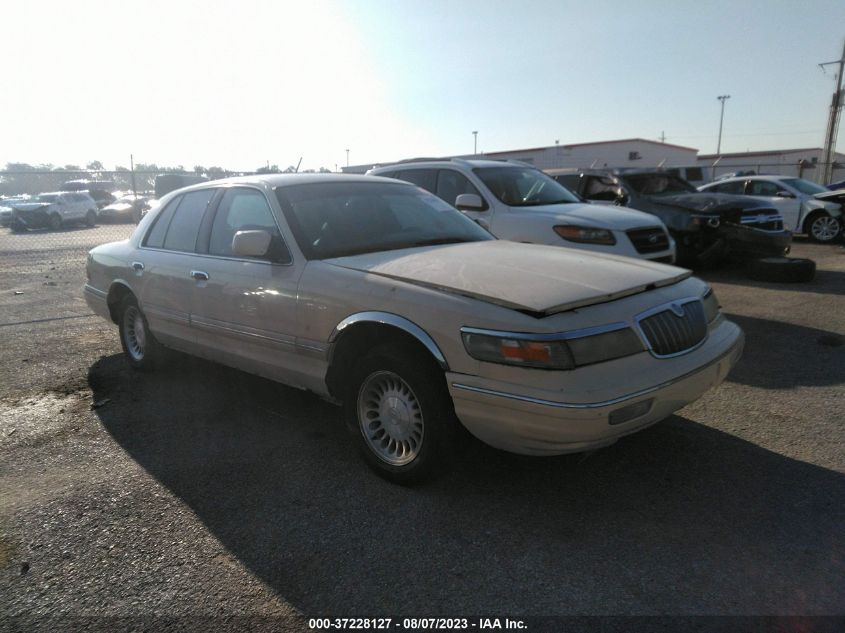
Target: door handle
138 266
199 275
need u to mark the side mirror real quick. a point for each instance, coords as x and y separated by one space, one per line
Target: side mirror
251 243
783 194
469 202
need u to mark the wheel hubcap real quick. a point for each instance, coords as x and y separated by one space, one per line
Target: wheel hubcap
825 228
390 418
135 334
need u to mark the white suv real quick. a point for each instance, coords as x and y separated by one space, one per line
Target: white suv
53 210
518 202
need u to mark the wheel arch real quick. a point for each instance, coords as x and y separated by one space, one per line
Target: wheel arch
359 332
118 291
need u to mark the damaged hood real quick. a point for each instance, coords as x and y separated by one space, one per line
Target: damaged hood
528 277
711 202
30 206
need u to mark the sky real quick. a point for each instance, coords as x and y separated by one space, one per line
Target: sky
242 84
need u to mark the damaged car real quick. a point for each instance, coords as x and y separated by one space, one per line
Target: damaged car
805 206
54 210
706 226
375 294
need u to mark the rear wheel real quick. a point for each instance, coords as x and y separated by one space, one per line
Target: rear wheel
55 221
140 347
91 217
823 228
400 411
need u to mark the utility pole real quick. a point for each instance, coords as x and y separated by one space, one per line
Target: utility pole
721 98
475 142
829 152
662 136
347 158
132 171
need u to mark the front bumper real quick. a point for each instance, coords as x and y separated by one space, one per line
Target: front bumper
532 426
31 219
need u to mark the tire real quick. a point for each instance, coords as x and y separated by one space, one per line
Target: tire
17 227
91 218
55 222
141 349
400 411
782 269
823 228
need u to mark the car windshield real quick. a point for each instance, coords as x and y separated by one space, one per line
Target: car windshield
47 197
657 184
804 186
337 219
524 186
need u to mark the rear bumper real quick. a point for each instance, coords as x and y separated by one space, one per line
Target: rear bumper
97 301
531 426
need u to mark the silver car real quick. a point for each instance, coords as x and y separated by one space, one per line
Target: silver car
377 294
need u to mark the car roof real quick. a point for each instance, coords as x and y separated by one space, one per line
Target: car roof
418 163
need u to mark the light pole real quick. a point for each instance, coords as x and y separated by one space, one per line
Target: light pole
474 142
721 98
347 158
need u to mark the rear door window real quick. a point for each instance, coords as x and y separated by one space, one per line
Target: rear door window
425 178
185 222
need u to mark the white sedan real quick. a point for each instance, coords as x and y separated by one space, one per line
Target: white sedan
796 200
376 294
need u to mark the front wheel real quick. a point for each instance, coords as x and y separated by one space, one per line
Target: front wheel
140 347
823 228
401 413
55 222
91 218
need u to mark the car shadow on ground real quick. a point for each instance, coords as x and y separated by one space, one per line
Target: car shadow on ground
680 518
780 355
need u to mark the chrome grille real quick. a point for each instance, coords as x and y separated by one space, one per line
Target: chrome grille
669 333
650 240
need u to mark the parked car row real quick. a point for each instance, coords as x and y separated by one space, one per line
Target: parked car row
380 295
57 209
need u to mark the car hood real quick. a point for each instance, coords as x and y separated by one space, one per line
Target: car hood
534 278
710 202
837 195
595 215
30 206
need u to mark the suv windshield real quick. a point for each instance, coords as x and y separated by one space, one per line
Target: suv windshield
657 184
524 186
339 219
804 186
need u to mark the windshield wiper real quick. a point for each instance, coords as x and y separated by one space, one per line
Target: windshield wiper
437 241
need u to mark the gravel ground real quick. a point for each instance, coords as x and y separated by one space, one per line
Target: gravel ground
202 492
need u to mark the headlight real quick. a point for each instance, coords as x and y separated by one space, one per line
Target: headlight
711 305
566 350
585 235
